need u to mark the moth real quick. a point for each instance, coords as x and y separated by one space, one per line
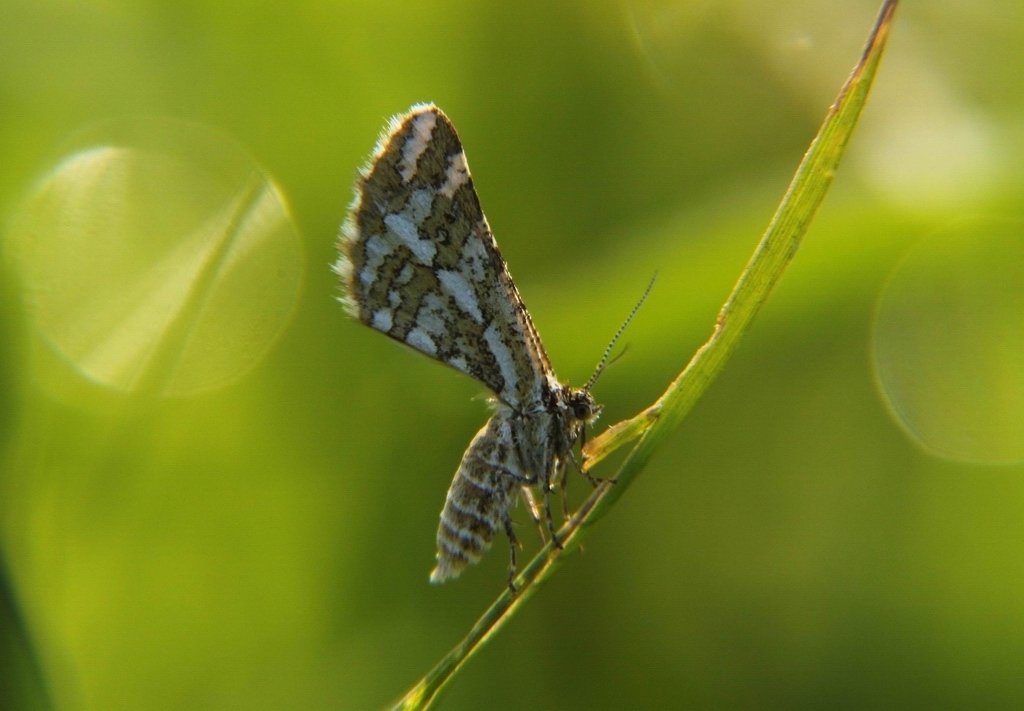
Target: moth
419 263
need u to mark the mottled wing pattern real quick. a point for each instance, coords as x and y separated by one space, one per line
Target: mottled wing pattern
420 264
480 498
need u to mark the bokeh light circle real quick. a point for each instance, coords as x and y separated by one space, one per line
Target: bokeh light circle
948 342
157 256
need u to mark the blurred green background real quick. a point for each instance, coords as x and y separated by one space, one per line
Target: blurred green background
228 501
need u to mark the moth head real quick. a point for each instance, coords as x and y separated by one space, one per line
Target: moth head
581 405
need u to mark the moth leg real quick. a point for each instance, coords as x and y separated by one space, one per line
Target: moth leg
564 481
513 543
594 481
531 505
563 488
520 479
550 518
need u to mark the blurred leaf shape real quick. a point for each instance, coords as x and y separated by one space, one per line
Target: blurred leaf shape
948 342
166 263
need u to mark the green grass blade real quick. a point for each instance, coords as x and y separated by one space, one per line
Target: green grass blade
778 245
764 270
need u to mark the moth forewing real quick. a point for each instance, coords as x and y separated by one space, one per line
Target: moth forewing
418 262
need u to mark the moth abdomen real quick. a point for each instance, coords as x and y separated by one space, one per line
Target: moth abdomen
463 536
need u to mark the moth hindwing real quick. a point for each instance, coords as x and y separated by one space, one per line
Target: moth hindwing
418 262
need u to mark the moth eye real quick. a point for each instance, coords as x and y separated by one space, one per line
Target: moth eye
581 411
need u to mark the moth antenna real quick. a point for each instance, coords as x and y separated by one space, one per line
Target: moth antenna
615 339
618 356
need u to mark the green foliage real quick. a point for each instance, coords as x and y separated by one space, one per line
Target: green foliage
264 541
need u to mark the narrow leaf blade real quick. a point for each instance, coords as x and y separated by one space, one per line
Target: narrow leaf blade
652 426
